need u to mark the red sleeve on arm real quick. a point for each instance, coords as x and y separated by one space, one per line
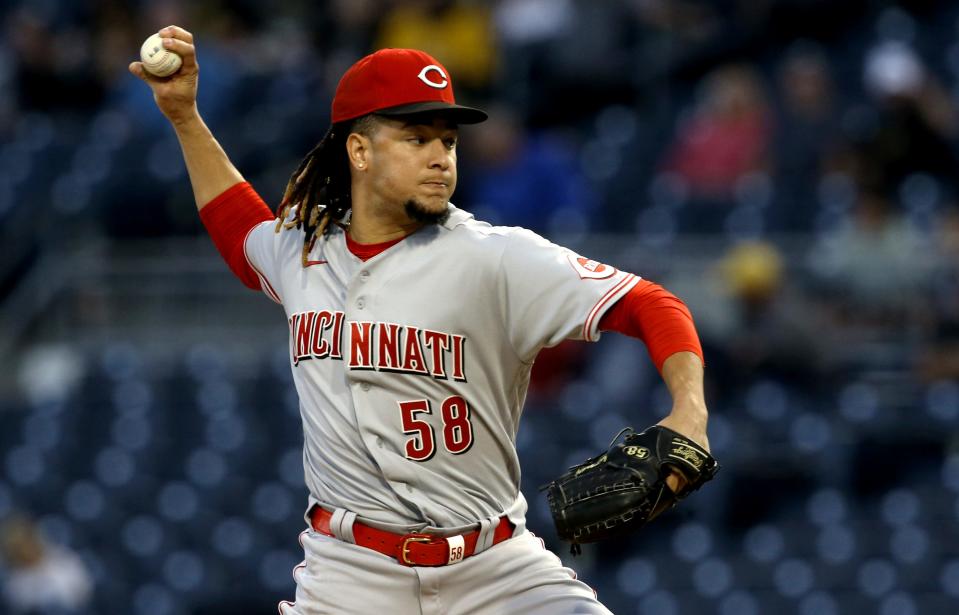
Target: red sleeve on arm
228 218
656 316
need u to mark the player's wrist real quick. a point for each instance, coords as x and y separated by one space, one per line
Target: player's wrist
690 411
186 119
689 418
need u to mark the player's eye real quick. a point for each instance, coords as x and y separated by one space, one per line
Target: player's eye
450 143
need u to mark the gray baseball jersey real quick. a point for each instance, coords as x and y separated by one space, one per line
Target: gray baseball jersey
412 367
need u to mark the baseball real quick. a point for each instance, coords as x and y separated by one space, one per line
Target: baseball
158 60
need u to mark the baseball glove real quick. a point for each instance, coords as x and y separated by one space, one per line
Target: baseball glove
623 489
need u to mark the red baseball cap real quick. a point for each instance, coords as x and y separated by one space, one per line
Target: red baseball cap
399 82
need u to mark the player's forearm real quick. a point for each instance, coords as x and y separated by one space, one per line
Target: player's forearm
683 374
211 171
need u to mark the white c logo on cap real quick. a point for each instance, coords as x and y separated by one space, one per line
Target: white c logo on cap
439 85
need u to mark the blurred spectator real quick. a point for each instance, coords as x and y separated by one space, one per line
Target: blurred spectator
766 330
524 179
725 137
457 33
808 123
564 60
874 266
528 22
55 68
40 576
917 123
344 33
691 22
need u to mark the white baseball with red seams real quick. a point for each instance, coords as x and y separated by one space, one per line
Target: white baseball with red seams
157 59
412 369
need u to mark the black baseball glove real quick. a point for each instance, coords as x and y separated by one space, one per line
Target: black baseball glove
624 488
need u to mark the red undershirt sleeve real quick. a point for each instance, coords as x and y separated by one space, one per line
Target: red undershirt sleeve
228 218
656 316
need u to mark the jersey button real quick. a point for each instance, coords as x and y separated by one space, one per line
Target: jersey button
365 386
364 275
360 303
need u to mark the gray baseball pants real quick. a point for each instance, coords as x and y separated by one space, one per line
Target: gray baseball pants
515 577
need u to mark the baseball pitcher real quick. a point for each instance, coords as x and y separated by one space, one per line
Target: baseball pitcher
412 331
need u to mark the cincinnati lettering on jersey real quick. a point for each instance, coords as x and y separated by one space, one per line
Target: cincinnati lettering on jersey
379 346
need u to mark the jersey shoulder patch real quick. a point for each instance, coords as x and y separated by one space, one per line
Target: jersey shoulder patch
589 269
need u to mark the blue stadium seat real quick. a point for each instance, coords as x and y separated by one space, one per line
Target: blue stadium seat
858 402
949 578
273 502
42 430
233 537
205 467
636 576
877 577
276 570
827 506
810 433
794 577
143 536
942 401
950 473
900 506
692 542
659 602
114 467
178 501
713 577
155 599
739 602
836 544
184 571
818 602
898 603
767 400
120 361
764 544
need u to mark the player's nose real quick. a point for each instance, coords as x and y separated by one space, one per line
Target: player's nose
440 157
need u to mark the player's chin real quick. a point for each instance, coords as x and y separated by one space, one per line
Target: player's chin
427 210
433 200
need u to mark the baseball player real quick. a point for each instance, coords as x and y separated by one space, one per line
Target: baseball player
413 328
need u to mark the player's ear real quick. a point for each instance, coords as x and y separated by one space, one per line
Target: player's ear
358 151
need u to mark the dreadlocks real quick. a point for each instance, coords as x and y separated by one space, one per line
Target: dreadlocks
320 185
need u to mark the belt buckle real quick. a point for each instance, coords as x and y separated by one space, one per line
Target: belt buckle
405 546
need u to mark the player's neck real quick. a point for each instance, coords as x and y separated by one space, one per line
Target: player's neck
378 224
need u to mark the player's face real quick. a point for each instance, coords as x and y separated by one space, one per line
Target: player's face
413 165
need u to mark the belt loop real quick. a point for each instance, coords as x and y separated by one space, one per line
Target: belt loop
341 525
485 539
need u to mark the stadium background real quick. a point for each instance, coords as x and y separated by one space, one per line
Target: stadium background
786 166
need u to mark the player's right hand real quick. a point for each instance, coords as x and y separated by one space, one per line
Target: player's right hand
174 95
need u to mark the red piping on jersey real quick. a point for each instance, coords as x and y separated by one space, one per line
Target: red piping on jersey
366 251
656 316
609 296
229 218
264 283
